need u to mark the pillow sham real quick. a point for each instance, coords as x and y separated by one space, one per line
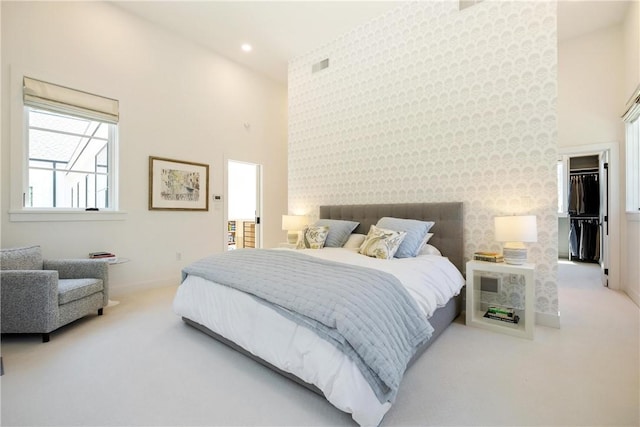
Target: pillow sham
416 231
381 243
429 250
339 231
354 241
313 237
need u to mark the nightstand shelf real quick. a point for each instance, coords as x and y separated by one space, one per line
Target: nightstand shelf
475 309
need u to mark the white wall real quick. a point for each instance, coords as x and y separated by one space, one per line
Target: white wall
597 73
430 104
176 100
590 88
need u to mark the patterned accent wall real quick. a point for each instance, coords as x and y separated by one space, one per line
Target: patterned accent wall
430 104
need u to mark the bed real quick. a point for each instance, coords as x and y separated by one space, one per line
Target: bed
275 338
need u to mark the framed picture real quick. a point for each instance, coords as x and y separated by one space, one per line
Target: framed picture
178 185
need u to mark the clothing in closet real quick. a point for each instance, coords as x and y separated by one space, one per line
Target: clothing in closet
584 239
584 194
584 210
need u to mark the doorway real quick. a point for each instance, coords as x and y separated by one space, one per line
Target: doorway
242 225
593 166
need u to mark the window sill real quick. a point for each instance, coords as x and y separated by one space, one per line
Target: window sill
47 215
633 216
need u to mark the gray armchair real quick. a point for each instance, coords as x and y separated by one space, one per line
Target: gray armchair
39 296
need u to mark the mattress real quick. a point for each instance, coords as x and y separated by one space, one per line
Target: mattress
431 280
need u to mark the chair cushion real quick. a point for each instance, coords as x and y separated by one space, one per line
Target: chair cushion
74 289
28 258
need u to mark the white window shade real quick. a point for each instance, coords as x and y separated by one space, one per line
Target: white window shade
631 118
49 96
632 111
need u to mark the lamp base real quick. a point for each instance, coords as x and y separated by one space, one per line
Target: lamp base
516 256
292 238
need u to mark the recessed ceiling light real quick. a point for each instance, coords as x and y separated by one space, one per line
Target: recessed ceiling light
246 47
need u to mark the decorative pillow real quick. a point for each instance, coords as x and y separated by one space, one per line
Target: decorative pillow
313 237
354 241
339 231
381 243
429 250
416 231
29 258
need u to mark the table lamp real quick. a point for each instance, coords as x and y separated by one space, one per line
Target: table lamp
293 224
514 231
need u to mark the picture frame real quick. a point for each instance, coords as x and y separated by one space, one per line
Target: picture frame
178 185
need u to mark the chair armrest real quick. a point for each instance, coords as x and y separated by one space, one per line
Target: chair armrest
29 300
82 269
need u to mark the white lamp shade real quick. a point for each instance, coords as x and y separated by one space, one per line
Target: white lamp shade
516 228
293 222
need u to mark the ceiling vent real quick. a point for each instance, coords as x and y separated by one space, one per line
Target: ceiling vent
320 66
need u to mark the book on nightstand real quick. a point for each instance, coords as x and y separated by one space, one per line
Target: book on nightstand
488 256
502 314
94 255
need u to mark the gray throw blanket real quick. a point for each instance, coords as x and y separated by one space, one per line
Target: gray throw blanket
366 313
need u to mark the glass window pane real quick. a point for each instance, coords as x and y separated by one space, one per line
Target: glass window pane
40 189
68 161
561 190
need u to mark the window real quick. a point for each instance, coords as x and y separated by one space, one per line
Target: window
632 142
561 187
633 165
71 141
68 161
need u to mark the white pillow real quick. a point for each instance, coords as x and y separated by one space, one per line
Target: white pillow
429 250
354 241
426 239
382 243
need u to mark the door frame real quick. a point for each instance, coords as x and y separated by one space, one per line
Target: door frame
259 200
613 248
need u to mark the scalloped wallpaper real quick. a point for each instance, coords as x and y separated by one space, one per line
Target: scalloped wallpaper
430 104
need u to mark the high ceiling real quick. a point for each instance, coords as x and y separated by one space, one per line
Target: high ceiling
281 30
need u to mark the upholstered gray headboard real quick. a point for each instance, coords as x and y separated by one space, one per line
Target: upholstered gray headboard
447 230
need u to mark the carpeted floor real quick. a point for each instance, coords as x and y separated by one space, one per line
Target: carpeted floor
140 365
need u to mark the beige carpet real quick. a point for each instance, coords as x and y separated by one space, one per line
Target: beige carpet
140 365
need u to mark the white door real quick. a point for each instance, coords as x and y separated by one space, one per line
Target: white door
244 190
603 166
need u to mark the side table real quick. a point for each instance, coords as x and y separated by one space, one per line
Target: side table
475 310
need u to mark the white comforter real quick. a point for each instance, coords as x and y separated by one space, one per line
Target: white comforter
431 280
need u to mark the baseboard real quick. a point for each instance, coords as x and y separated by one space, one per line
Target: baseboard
550 320
634 296
119 290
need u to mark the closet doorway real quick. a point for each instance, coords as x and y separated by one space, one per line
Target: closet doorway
583 209
244 200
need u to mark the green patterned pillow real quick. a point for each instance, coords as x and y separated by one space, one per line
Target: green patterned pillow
313 237
382 243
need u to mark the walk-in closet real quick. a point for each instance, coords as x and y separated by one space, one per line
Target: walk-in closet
584 209
583 217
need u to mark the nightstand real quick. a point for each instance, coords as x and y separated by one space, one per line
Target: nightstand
476 310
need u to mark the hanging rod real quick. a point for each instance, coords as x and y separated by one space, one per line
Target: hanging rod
583 173
579 170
